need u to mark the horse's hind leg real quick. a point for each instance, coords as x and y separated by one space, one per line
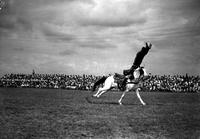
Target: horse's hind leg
102 92
99 90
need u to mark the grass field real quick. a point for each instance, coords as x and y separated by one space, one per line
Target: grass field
49 113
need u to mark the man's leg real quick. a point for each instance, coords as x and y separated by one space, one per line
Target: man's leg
141 54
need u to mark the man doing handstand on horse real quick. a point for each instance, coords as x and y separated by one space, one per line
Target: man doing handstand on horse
137 62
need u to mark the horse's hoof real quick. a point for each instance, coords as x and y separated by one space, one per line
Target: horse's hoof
144 104
119 103
97 96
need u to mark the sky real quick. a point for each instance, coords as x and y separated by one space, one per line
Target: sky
99 37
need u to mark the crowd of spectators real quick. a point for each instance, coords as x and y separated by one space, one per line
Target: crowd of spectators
82 82
175 83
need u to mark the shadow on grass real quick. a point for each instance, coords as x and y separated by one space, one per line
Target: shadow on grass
94 100
103 100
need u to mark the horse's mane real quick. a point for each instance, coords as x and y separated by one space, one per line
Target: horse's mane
141 71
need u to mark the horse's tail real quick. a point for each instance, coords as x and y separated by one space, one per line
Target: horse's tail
100 81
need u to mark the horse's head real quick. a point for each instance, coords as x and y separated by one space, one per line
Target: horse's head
140 71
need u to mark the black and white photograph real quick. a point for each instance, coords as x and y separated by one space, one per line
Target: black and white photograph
100 69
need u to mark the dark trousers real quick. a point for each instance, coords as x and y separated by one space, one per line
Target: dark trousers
138 60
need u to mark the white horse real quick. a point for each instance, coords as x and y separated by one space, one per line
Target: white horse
109 83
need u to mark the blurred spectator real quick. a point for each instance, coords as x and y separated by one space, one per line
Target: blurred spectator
176 83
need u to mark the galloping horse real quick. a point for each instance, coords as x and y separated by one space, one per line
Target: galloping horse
109 82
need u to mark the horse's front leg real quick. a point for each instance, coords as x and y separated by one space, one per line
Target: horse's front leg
138 95
122 96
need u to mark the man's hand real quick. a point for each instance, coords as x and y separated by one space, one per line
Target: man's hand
148 45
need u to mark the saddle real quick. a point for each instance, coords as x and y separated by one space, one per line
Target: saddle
118 77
